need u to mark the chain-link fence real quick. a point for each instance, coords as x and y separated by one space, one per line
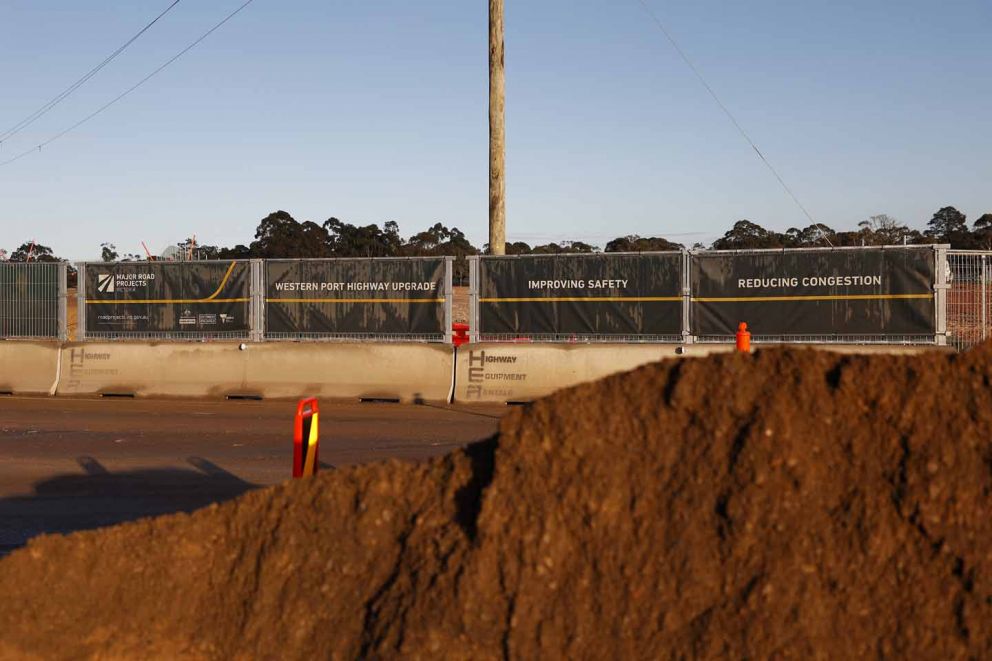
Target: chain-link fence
968 300
32 300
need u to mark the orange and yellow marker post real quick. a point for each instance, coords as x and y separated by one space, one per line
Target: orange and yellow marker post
306 436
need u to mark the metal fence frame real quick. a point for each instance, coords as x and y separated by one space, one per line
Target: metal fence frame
257 310
83 334
45 327
963 314
475 335
940 288
264 335
939 338
969 299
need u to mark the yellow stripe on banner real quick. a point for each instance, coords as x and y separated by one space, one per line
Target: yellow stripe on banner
163 301
222 282
579 299
850 297
354 300
308 467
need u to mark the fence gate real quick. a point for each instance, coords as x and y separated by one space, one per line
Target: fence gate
968 301
32 300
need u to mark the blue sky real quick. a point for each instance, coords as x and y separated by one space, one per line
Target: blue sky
375 110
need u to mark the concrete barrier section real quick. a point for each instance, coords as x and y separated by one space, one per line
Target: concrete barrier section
523 372
404 372
28 368
394 371
158 369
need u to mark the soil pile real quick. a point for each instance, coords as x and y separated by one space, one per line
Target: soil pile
790 503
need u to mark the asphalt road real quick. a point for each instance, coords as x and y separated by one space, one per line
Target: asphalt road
74 464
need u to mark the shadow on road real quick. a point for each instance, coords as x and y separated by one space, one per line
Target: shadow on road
98 497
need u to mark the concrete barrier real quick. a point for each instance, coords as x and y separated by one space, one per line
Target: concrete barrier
404 372
523 372
401 371
504 372
28 368
157 369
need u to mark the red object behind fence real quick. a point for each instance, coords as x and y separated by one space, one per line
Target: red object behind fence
459 335
743 338
306 436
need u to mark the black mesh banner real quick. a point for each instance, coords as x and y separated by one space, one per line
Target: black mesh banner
189 298
397 297
871 291
599 294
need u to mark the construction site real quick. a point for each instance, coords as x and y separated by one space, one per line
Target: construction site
332 440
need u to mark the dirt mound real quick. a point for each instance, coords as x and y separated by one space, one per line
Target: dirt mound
792 503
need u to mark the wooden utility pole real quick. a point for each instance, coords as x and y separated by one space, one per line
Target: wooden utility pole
497 144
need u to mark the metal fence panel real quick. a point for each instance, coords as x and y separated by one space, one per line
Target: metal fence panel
968 298
358 299
863 295
600 297
924 324
32 300
197 300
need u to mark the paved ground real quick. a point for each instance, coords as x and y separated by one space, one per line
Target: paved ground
73 464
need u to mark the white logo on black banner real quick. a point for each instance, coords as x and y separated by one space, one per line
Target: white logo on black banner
105 283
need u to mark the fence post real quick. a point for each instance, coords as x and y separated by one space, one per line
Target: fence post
940 293
449 294
63 325
473 298
256 301
80 301
687 337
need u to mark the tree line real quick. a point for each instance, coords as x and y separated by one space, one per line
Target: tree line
279 235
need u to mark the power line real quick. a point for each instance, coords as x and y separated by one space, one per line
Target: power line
130 89
726 111
40 112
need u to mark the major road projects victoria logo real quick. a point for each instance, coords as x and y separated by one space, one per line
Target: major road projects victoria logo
109 283
105 283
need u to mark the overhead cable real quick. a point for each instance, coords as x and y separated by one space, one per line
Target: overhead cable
38 147
726 111
40 112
